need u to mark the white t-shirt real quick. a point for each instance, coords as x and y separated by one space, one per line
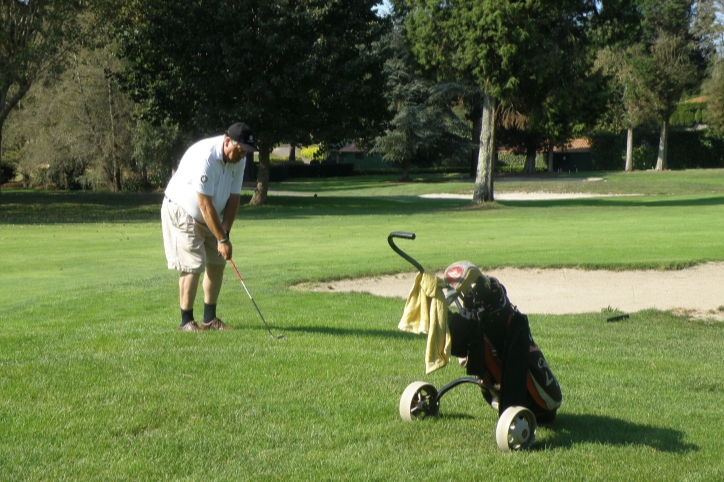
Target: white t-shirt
202 170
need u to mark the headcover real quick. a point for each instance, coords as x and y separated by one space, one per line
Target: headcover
461 276
478 290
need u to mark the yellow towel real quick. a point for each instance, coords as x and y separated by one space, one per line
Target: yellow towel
426 312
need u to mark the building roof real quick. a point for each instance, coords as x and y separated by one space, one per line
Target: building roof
350 148
700 99
575 145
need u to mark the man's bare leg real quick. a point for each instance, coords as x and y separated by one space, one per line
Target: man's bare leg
188 284
213 279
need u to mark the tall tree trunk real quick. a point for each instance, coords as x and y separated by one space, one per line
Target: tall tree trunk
629 150
530 154
262 178
477 127
1 158
404 171
116 165
550 156
663 139
95 137
292 152
3 94
486 157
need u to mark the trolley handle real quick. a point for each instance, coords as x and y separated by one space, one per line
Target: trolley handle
404 235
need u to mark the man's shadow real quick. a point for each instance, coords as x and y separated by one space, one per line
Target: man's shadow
570 429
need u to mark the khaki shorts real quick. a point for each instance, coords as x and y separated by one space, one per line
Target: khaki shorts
189 245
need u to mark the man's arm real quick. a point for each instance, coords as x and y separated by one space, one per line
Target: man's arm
214 223
230 211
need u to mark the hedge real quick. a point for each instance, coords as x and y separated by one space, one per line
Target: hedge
688 114
279 171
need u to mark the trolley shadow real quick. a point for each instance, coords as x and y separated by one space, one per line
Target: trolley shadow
572 429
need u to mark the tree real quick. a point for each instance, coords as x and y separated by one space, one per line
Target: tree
670 72
35 38
706 28
667 61
305 70
630 92
662 52
559 94
79 127
514 50
155 152
424 123
710 31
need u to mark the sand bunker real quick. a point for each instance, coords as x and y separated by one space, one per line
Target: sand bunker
697 291
527 196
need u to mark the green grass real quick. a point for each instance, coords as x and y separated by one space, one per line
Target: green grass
691 182
96 383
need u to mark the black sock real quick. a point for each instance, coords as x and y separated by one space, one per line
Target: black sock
209 312
186 316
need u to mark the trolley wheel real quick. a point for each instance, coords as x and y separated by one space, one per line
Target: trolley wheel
416 401
516 429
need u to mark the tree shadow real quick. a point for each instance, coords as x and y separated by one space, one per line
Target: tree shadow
571 429
29 207
623 201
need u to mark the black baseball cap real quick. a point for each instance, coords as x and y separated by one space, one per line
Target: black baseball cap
241 133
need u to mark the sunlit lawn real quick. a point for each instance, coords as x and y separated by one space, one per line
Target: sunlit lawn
96 383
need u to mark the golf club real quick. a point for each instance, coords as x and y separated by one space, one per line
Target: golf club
279 337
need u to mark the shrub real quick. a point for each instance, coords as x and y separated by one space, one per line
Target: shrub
688 113
8 171
312 152
69 174
644 157
511 162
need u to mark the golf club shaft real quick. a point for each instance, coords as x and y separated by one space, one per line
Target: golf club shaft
250 297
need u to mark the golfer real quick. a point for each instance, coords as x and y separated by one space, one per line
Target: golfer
198 211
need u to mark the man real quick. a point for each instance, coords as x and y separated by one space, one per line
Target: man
198 211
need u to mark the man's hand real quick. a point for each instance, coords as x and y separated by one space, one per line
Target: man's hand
224 249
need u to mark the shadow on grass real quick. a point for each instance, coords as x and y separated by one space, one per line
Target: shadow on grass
59 207
51 207
324 330
571 429
454 416
635 201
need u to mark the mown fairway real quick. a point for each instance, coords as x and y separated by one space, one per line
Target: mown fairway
97 384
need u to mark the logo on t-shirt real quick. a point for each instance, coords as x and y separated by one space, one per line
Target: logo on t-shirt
204 178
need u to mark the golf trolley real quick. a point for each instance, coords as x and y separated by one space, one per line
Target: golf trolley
516 427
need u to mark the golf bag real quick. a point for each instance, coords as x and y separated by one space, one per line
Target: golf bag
494 342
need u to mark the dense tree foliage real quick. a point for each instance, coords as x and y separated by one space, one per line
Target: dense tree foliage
667 58
75 132
295 70
75 114
425 128
35 37
525 56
